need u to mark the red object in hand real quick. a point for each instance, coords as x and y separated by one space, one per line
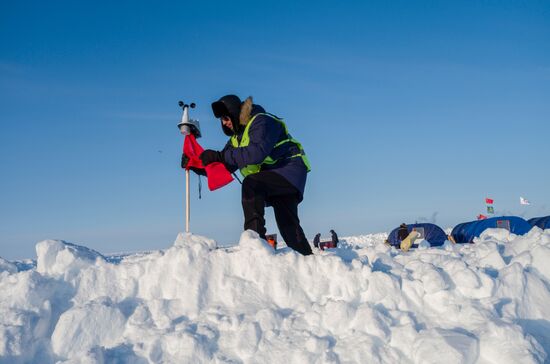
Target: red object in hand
217 175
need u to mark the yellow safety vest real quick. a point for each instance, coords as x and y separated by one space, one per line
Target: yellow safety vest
245 140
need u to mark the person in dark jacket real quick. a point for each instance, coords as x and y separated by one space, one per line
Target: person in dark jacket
334 238
273 163
317 240
403 232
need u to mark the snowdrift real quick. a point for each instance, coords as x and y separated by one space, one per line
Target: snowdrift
363 302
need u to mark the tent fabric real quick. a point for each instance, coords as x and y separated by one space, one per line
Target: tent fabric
218 176
542 222
466 232
459 232
432 233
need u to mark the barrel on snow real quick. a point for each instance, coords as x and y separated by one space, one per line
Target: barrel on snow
542 222
466 232
432 233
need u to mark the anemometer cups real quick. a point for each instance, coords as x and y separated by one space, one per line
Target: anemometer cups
188 126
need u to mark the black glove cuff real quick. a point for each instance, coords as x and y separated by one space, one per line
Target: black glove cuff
184 161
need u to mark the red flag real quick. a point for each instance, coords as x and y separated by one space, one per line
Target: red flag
481 217
488 200
192 150
218 176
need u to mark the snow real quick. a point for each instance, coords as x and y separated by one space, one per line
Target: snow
364 302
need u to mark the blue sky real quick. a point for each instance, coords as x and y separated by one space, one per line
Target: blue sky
408 111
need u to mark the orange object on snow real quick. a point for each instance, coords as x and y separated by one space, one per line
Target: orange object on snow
272 240
216 173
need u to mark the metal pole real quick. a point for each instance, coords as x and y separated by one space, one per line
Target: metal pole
188 126
187 201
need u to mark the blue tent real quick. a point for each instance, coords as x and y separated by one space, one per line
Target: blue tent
429 232
542 222
459 232
466 232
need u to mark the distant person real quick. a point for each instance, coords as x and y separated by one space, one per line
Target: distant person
317 240
406 239
402 232
334 238
274 166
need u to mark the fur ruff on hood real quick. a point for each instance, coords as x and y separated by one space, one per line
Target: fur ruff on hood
246 110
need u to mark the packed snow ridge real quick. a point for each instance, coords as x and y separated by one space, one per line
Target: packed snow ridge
364 302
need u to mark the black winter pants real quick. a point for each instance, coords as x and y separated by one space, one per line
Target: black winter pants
268 186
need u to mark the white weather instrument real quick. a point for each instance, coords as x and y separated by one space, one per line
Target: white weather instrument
188 126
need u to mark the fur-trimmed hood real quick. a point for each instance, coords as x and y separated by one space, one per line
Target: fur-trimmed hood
239 112
246 111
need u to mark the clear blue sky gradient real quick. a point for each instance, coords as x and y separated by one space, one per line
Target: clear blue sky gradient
409 111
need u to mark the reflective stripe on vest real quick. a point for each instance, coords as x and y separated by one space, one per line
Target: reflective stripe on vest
245 141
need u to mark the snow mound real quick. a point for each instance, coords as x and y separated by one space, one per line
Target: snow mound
56 257
361 302
6 266
92 324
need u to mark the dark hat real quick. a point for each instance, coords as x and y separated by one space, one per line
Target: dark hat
228 105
